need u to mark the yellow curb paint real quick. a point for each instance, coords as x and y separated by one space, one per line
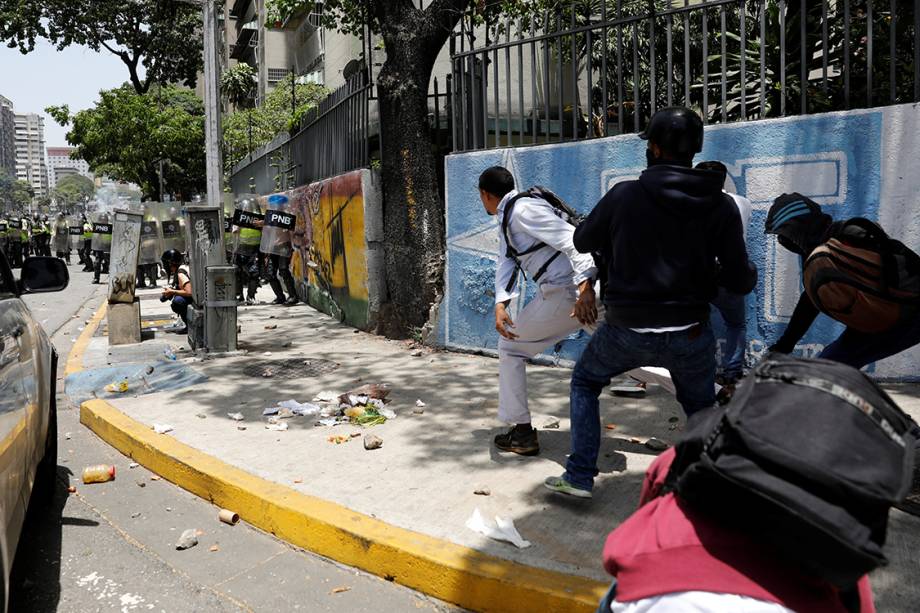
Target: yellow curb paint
464 576
75 357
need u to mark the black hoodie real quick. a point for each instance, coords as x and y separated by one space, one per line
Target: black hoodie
661 237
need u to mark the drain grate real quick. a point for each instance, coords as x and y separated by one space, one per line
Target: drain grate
294 368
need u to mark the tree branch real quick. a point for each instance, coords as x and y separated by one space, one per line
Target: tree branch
444 15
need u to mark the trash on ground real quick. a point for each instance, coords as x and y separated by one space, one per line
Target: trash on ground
548 423
150 370
72 489
420 404
154 477
201 416
268 373
305 409
272 327
500 530
483 491
117 387
228 517
188 539
100 473
371 390
611 426
339 439
214 548
277 427
388 413
326 396
656 444
339 590
328 421
635 441
417 353
133 465
355 412
270 411
67 435
298 480
418 411
372 442
141 483
135 515
162 428
235 416
241 427
169 354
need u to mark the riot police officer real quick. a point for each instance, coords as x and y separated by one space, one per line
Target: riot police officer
102 245
247 219
87 245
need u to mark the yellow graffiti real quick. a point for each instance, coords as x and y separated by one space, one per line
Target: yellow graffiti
410 193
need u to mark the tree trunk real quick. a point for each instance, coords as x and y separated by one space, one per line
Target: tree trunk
413 216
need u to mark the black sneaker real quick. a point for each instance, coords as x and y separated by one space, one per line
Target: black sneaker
278 301
518 440
291 301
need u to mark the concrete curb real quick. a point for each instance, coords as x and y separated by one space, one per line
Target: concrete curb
444 570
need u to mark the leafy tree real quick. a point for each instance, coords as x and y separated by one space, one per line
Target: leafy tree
157 35
73 190
265 122
238 84
126 135
14 194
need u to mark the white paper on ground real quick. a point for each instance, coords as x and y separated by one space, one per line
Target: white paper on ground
306 409
502 530
162 428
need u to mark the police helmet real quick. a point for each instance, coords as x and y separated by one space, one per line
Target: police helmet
171 256
676 129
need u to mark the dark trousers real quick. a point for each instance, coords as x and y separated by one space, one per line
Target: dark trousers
688 354
279 266
15 255
249 271
860 349
102 265
180 307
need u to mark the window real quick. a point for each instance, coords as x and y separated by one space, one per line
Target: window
276 75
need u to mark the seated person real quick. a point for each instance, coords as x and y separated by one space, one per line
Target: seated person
179 288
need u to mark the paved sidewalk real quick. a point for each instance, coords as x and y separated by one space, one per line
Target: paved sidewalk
432 461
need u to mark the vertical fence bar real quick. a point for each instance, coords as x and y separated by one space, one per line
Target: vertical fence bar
743 75
575 92
437 115
803 18
825 52
533 82
561 79
846 53
916 50
763 59
485 99
724 78
705 26
636 105
520 59
495 96
653 79
546 77
869 28
508 80
620 120
449 116
604 80
893 52
686 55
589 77
464 111
782 57
669 23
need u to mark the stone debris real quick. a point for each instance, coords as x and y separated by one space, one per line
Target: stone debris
656 444
272 327
483 491
162 428
188 539
548 423
235 416
372 441
420 404
277 427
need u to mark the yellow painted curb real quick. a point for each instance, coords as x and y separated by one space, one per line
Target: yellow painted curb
75 357
464 576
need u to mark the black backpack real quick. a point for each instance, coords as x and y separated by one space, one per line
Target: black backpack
807 458
560 207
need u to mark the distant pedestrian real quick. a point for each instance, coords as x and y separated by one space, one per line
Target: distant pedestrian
662 236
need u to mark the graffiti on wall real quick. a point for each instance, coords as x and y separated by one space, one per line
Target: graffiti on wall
853 164
330 249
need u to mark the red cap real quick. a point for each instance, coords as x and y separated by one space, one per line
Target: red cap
112 471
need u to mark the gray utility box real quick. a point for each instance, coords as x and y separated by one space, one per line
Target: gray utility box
220 309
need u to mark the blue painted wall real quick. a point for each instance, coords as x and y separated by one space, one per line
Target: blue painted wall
851 163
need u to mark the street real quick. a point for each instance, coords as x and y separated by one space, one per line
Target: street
111 546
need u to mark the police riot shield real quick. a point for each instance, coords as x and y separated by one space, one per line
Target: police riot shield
151 249
61 240
172 227
102 233
14 229
75 232
248 220
278 226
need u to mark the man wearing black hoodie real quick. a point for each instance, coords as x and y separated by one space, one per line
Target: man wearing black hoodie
670 239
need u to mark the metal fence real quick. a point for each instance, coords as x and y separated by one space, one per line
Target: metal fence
332 138
590 68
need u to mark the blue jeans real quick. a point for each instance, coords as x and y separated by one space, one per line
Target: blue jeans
689 355
732 309
859 349
180 307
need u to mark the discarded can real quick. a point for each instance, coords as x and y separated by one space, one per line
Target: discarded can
98 474
228 517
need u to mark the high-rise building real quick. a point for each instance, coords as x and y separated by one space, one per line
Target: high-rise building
265 49
30 152
60 165
7 137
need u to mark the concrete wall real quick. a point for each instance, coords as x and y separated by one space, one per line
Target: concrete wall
338 260
855 163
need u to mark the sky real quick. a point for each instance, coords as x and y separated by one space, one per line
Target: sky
48 77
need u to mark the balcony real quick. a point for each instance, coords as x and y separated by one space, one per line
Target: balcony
245 40
239 7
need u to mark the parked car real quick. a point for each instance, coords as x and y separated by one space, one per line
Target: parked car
28 415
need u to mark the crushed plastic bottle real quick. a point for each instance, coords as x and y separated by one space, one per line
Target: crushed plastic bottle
99 473
169 353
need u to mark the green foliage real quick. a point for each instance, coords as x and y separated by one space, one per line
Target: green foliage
73 189
15 195
274 117
126 134
238 84
160 35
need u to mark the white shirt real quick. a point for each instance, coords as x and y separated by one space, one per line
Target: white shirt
698 602
533 221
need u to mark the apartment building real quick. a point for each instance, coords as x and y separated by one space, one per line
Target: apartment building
60 165
7 137
268 50
30 152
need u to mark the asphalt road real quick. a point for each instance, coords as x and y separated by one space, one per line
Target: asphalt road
111 546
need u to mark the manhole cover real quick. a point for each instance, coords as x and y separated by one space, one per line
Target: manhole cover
289 369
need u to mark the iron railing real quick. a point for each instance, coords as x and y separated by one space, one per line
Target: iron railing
590 68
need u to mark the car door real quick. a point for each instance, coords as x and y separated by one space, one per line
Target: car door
16 446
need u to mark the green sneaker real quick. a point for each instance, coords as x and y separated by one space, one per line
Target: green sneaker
558 484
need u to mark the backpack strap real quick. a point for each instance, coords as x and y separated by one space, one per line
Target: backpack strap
513 253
